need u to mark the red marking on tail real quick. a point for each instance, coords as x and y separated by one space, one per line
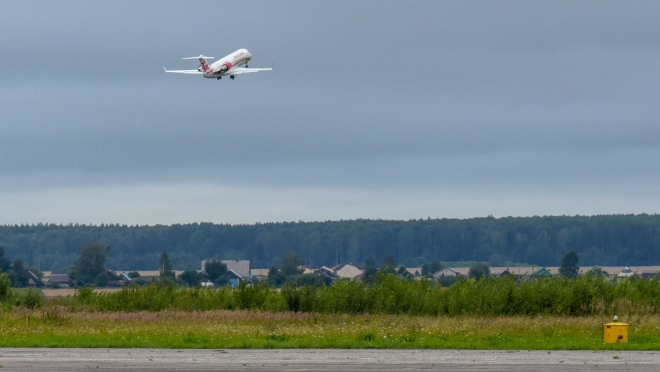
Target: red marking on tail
205 66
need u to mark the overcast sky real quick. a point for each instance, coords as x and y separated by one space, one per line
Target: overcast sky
375 109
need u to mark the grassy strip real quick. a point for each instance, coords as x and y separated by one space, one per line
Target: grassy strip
60 327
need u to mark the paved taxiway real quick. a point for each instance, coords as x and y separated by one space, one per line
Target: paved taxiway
324 360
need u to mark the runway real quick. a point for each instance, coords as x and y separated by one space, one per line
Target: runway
324 360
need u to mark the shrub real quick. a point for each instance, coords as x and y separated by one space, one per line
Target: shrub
32 299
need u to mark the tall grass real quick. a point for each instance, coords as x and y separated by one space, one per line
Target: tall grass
392 295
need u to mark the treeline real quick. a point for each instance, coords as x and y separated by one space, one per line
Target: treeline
599 240
389 294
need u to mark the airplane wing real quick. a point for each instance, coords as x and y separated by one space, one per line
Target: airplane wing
243 70
191 72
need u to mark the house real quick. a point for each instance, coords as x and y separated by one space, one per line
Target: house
61 280
506 273
625 273
649 274
117 280
446 272
542 273
234 278
240 267
259 274
327 274
34 279
113 279
349 271
403 273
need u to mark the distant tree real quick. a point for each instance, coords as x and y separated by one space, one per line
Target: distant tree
18 274
597 271
479 270
569 265
5 286
5 264
370 269
304 280
165 265
191 278
133 274
370 263
216 272
275 277
90 263
101 280
431 268
389 264
292 264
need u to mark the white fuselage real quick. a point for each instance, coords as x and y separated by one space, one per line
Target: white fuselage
224 66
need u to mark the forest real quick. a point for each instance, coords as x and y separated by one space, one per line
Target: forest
600 240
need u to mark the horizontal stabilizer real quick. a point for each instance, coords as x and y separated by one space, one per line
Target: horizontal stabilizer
201 56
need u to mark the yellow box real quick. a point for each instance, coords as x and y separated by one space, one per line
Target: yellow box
615 332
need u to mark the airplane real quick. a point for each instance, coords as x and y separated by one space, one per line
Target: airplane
226 66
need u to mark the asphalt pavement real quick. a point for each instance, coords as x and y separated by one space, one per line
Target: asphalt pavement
12 359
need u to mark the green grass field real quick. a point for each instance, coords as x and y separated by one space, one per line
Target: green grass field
219 329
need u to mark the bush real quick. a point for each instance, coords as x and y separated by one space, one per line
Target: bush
389 294
5 287
32 299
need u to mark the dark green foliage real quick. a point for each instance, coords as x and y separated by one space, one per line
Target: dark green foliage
101 280
90 263
599 240
33 299
292 264
5 287
447 281
598 272
569 265
18 274
388 265
216 272
304 280
5 264
165 265
370 263
275 277
191 278
370 270
133 274
479 270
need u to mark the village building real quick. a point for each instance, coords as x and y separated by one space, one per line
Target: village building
541 273
349 271
59 280
239 267
506 273
446 272
117 279
625 273
327 274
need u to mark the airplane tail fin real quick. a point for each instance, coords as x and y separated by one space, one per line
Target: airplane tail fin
202 61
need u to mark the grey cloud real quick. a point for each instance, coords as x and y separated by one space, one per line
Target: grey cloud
455 95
